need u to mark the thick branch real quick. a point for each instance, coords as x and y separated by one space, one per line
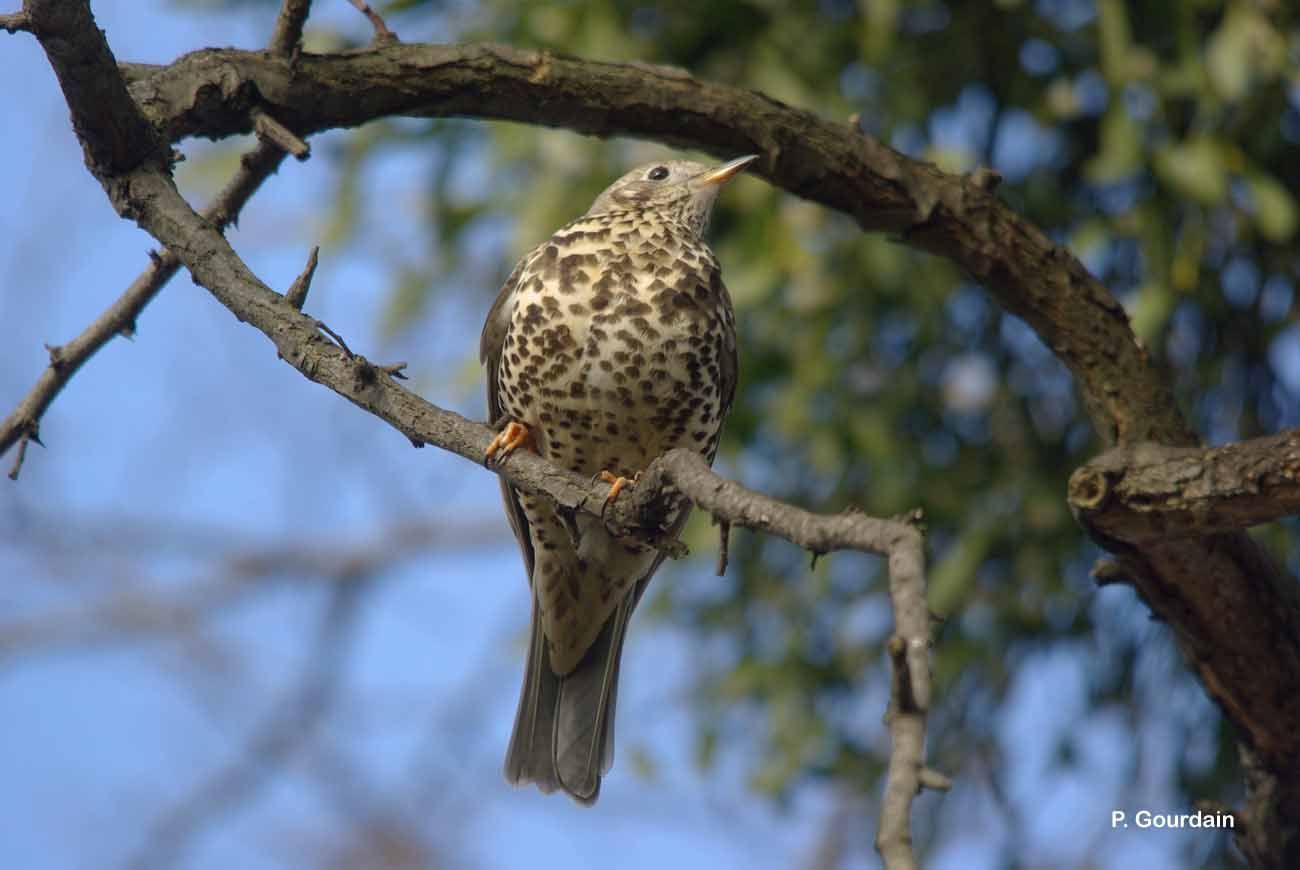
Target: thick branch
113 134
209 92
1150 492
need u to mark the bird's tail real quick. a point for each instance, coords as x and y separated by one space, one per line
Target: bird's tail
564 730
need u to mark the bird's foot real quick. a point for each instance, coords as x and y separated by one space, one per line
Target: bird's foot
515 435
617 483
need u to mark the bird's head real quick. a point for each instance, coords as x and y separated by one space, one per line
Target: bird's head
674 188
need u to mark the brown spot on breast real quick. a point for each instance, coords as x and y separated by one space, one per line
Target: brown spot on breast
629 339
633 307
645 329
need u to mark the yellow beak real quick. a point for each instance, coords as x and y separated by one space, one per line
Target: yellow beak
725 171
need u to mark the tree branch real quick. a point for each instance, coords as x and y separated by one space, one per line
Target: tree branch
115 137
289 22
23 423
14 22
209 93
383 35
1148 492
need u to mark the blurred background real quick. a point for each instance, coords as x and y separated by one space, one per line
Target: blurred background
243 624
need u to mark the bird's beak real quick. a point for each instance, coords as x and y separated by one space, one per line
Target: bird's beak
725 171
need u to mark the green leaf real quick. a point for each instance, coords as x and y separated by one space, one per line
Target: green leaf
1195 169
1121 147
1274 207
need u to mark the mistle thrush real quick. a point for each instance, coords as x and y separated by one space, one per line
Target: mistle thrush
610 344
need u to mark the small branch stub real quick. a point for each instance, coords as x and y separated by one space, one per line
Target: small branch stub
383 36
268 128
296 295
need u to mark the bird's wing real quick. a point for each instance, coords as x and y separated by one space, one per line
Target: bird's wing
728 363
489 353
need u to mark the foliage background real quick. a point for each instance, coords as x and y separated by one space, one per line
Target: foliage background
1158 139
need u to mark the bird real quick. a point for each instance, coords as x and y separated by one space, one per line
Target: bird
609 344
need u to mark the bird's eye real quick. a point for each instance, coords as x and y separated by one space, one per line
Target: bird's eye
659 173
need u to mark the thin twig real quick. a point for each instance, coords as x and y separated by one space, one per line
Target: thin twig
267 127
338 339
383 36
724 545
296 295
27 437
909 702
393 370
14 22
23 423
287 35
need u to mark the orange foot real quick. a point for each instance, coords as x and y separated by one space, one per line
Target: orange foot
513 436
616 485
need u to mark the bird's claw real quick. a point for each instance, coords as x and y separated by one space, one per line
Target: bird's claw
617 483
515 435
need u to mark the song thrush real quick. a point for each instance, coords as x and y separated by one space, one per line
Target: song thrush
610 343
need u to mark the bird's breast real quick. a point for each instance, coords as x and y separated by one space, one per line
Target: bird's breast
614 346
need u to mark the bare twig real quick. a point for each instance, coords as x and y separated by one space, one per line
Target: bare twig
383 36
724 545
296 295
338 339
28 435
287 35
270 129
23 422
14 22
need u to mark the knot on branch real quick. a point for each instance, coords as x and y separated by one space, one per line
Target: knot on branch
650 510
1088 489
